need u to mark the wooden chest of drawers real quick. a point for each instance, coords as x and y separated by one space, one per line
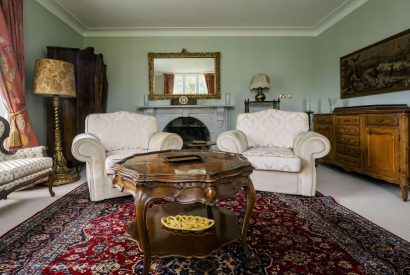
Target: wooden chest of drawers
373 140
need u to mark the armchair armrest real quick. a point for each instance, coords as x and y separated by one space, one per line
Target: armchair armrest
233 141
311 145
164 141
88 148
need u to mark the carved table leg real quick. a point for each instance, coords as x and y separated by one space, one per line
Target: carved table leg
250 202
141 227
404 191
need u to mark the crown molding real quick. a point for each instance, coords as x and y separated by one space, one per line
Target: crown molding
181 32
64 15
332 18
337 15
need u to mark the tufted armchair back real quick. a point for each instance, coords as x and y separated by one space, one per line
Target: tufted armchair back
272 128
121 130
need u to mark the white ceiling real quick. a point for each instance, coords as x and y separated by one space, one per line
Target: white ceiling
201 17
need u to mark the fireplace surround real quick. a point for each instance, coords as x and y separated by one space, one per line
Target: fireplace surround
213 117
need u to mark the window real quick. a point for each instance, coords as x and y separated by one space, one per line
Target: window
190 84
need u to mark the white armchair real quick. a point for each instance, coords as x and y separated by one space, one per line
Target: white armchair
280 147
111 137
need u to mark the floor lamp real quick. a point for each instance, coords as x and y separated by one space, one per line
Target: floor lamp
56 78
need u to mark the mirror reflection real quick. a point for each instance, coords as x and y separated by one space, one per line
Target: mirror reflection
175 74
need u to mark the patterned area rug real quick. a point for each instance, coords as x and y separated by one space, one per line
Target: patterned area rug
289 235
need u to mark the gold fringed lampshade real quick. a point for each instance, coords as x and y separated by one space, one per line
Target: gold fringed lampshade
54 77
260 82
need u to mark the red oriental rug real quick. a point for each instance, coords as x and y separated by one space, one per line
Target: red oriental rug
288 234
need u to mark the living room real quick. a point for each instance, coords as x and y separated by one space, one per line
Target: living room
301 62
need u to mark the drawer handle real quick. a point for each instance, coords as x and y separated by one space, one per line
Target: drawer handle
347 120
380 120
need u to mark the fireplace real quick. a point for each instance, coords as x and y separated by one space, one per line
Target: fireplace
189 128
200 117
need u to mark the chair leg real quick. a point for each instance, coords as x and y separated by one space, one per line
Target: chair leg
50 184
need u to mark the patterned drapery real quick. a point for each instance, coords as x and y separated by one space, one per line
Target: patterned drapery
210 83
168 84
12 74
13 15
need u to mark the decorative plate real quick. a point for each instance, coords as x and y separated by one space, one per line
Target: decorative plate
187 223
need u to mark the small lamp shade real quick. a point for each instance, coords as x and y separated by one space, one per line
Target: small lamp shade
260 81
54 77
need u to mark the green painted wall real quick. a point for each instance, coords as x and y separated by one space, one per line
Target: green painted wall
303 66
372 22
42 29
287 60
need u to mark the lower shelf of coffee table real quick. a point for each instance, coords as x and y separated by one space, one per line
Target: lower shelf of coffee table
164 242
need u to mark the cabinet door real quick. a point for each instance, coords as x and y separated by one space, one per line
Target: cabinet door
382 153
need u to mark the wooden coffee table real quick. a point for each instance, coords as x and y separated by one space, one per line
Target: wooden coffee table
192 188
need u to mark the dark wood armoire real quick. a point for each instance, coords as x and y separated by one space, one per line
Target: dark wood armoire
92 87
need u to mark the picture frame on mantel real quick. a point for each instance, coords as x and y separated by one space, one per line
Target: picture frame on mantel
382 67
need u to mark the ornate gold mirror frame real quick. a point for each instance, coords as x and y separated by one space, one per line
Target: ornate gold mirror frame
155 95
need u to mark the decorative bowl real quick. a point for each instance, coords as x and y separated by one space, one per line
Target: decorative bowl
187 223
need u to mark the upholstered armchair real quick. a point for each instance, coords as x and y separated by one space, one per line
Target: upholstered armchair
24 167
280 147
111 137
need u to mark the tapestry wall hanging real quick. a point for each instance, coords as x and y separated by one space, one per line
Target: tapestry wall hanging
382 67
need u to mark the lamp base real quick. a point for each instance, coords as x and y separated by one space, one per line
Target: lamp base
70 176
260 96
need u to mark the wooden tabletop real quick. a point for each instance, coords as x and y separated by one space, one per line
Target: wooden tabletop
156 166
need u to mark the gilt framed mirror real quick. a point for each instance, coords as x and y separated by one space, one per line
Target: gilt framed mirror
195 75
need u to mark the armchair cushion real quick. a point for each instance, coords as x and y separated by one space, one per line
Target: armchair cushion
273 158
122 130
33 152
19 168
272 128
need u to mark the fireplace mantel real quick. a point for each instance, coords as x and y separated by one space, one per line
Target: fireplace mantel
213 116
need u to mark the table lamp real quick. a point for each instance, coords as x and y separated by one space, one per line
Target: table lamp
56 78
260 82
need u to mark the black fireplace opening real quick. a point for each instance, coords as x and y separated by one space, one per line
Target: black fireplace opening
189 128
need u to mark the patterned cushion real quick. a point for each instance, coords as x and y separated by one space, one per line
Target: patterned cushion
12 170
29 178
273 128
122 130
33 152
115 156
273 158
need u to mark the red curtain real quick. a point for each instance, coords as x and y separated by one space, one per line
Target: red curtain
168 84
210 83
13 15
12 74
